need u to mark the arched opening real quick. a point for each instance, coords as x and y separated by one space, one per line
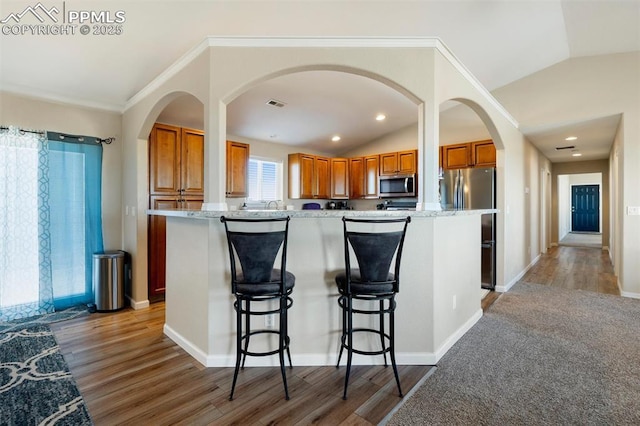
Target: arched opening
469 177
300 110
175 155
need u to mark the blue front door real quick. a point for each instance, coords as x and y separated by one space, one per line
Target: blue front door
585 208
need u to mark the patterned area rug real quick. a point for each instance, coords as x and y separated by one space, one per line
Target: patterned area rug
36 387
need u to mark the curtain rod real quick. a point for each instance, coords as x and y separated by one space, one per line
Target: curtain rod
63 136
37 132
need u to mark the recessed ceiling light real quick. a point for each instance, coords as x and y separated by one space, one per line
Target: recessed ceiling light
336 138
571 138
380 117
576 154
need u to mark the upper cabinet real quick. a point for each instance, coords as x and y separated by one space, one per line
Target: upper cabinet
471 154
339 178
363 179
237 169
309 176
393 163
176 161
456 156
483 153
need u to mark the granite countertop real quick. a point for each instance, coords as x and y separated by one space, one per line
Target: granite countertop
211 214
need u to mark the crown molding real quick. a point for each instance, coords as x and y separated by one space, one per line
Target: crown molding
165 75
40 95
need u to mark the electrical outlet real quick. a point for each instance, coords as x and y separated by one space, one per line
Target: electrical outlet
270 321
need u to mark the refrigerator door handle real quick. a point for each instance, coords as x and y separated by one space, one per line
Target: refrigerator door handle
455 191
461 191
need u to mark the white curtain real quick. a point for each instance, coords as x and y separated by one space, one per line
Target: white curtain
25 264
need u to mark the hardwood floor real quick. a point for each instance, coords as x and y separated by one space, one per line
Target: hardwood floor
578 268
130 373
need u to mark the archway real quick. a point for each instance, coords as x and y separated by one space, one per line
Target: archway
175 153
469 146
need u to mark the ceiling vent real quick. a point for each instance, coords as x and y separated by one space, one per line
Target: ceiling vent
560 148
275 103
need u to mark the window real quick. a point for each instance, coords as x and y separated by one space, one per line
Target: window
265 179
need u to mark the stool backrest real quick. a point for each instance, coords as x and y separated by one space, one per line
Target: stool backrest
254 245
374 249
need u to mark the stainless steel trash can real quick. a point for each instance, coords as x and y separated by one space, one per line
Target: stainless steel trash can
108 280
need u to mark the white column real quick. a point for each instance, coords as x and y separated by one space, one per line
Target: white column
428 148
215 153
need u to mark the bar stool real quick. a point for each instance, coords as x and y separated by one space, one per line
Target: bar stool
374 243
254 245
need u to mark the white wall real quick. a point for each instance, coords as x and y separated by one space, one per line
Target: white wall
564 206
43 115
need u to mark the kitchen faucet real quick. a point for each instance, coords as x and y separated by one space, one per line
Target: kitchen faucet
269 205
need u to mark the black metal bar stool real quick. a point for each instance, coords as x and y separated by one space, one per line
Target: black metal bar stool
374 243
254 245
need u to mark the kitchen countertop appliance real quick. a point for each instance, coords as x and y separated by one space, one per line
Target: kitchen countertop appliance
475 188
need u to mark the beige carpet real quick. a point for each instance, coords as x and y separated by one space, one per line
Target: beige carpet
539 356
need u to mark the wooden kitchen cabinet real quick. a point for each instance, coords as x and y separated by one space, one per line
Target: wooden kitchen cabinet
356 178
456 156
309 177
371 167
340 178
176 181
237 169
176 161
469 154
363 177
393 163
483 153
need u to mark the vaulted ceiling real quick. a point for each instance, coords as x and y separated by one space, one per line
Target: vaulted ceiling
498 41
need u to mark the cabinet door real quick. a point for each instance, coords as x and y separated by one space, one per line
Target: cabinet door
191 203
371 176
389 163
407 161
164 159
483 153
339 178
322 177
237 169
356 177
456 156
307 180
157 243
192 162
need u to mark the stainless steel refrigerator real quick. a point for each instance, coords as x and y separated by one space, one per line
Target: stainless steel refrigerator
475 188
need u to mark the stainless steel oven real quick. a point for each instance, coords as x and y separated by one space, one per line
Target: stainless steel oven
397 186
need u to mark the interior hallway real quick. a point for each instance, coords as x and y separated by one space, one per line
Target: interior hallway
579 266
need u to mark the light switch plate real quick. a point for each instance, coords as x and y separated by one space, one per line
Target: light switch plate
633 210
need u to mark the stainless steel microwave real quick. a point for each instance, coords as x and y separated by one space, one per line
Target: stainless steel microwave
397 186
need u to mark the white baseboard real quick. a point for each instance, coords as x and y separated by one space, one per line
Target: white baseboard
413 358
448 344
630 294
138 305
507 287
191 349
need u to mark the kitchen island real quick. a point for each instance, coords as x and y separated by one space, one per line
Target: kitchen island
439 297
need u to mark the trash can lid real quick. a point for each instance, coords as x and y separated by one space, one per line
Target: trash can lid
109 253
